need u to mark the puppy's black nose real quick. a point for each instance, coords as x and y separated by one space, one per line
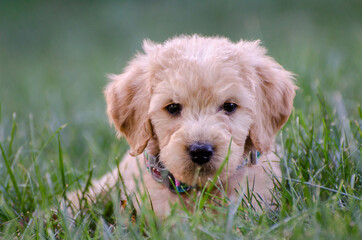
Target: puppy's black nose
201 152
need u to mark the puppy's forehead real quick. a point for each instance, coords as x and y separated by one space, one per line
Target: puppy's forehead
196 86
196 72
193 78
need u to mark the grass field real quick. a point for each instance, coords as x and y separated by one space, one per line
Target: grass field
54 135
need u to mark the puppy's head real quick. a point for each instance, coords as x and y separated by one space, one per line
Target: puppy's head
193 96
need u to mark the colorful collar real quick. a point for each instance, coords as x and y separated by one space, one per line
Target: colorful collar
160 173
252 159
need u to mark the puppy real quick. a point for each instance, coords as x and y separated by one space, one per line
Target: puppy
191 106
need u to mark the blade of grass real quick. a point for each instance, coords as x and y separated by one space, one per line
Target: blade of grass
89 179
211 186
180 198
325 188
231 216
36 160
22 204
86 187
13 129
61 166
5 193
49 139
11 173
129 201
15 160
27 229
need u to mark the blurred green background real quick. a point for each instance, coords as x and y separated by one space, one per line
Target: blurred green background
54 55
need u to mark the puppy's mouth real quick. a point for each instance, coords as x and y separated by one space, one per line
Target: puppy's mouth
196 174
196 165
205 170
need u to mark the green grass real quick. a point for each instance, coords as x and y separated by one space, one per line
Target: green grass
54 135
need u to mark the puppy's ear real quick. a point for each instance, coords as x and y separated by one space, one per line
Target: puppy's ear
128 97
274 93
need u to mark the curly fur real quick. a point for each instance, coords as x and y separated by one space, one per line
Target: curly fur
201 74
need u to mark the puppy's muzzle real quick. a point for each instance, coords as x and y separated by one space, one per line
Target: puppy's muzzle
201 153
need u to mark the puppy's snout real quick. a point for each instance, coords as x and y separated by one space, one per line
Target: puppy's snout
201 152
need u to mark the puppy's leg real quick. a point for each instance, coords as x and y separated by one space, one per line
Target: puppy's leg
257 179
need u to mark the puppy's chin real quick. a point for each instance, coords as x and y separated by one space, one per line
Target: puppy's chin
194 174
190 173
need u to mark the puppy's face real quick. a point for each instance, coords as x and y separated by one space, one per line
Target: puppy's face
197 108
198 97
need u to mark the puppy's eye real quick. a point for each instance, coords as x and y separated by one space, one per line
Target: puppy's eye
229 107
174 108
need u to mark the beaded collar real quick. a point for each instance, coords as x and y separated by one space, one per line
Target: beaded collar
160 173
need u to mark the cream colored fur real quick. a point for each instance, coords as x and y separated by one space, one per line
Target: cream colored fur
201 74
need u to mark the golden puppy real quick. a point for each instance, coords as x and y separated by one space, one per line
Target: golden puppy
186 105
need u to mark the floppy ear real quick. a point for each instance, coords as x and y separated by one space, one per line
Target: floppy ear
128 97
274 93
